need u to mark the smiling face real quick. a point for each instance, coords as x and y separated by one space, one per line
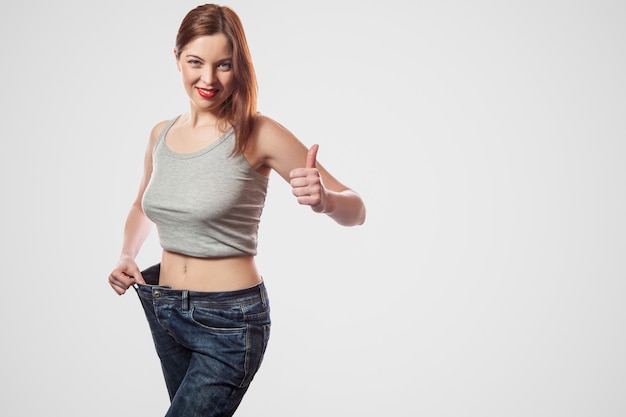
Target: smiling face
206 64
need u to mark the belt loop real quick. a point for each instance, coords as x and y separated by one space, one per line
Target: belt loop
185 300
263 294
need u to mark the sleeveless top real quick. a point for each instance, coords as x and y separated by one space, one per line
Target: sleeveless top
205 203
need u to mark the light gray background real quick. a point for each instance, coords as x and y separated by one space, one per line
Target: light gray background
486 137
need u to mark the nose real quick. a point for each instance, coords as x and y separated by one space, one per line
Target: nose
208 76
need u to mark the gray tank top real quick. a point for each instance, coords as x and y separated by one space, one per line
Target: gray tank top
206 203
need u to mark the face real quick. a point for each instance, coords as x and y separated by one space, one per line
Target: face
206 67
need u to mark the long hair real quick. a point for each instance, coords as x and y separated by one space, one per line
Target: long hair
241 107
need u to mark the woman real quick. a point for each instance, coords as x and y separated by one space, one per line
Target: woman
204 186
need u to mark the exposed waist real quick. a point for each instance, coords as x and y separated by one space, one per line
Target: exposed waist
180 271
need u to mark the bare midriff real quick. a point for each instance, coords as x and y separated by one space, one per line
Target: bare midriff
184 272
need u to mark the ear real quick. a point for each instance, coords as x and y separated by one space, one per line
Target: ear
177 59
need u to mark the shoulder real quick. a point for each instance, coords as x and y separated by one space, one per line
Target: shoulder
158 128
274 146
269 134
265 126
156 131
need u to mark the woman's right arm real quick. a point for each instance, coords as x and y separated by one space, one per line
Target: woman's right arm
136 229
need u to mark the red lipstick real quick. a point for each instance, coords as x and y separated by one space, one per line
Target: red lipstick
207 93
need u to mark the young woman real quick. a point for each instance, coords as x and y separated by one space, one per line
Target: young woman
204 186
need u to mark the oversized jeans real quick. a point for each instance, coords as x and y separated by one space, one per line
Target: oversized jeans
210 344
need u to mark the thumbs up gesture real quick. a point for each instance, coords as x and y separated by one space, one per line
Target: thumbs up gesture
306 183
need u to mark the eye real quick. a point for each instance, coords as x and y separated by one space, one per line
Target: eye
226 66
194 62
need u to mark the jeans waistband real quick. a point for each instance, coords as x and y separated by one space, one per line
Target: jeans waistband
217 298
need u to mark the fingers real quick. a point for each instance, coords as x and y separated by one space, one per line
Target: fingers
135 274
311 157
306 183
139 278
298 175
120 282
123 277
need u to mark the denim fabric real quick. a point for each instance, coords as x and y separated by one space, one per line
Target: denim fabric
211 344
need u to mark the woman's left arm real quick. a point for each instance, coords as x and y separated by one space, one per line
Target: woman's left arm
311 183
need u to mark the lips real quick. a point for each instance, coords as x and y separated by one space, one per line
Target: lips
207 92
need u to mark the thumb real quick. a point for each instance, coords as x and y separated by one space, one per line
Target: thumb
311 156
135 274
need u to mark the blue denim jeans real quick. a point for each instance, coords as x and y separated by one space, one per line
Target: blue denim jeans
210 344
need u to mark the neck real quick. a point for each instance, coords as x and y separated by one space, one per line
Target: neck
196 118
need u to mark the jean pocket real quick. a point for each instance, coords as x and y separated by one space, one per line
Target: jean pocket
223 320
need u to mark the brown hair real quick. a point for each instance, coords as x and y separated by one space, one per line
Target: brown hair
240 109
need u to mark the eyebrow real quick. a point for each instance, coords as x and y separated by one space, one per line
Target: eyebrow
230 58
